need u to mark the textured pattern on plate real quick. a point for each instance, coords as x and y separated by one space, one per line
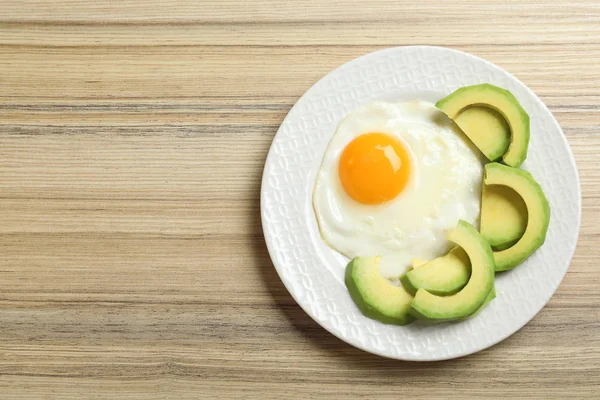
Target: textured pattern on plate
313 273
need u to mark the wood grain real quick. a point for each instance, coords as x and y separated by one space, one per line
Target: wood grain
132 140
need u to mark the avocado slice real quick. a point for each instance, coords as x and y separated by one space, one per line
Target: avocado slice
375 296
467 265
442 276
466 302
491 296
503 102
487 129
503 216
504 246
538 213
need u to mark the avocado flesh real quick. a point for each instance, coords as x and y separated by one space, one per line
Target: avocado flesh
538 213
503 216
491 296
502 101
375 296
467 301
487 129
504 246
442 276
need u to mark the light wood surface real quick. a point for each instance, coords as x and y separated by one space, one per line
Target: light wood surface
132 140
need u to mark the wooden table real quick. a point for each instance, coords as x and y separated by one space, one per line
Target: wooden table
132 140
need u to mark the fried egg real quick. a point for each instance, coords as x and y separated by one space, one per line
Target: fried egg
394 179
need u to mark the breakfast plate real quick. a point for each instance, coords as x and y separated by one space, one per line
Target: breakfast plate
314 273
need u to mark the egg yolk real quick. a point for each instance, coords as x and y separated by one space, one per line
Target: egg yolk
374 168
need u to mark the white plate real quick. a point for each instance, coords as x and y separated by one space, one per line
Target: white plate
313 273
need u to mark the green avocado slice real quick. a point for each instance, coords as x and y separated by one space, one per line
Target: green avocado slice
462 257
538 213
484 130
466 302
487 129
375 296
442 276
504 246
503 216
491 296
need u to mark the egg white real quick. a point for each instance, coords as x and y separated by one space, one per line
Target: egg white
444 187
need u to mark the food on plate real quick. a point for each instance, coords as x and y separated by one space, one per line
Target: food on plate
417 262
443 276
487 128
484 130
503 216
538 213
401 183
394 179
376 296
491 296
464 258
468 300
